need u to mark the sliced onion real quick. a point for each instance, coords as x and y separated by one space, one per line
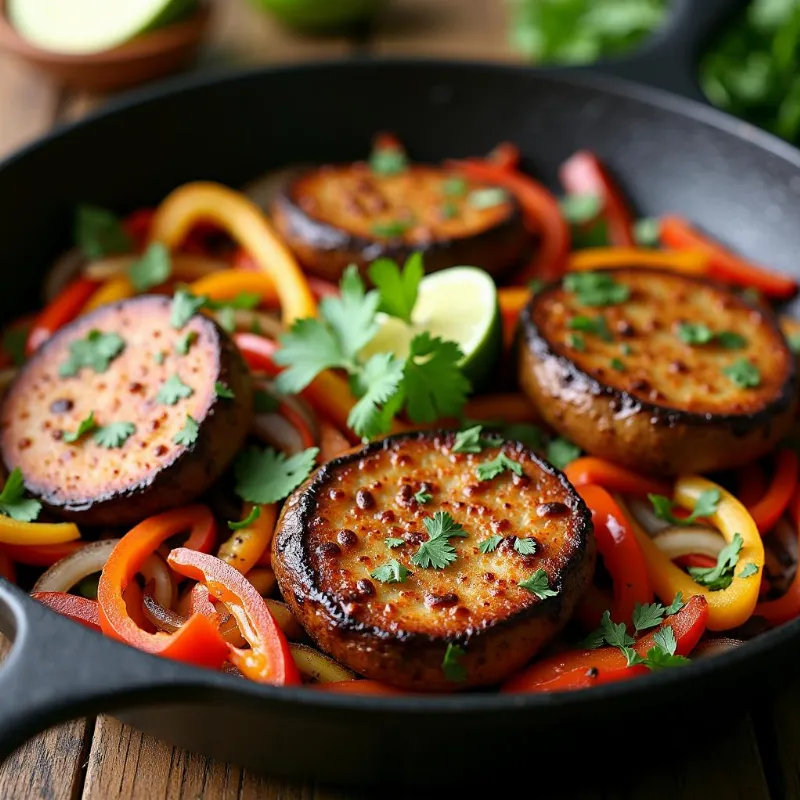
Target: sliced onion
155 570
642 512
70 571
164 619
185 266
680 540
284 618
66 267
276 431
318 668
246 318
715 647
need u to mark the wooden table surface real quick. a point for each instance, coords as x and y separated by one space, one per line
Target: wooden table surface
756 756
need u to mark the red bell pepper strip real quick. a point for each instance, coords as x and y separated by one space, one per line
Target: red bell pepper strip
612 477
66 306
7 570
258 352
298 422
542 214
269 659
696 560
688 625
137 225
198 641
752 484
583 173
787 606
621 554
79 609
723 264
358 687
770 508
41 555
583 678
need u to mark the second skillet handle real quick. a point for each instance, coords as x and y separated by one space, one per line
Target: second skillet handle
669 60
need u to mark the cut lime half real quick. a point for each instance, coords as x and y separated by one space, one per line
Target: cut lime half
458 305
90 26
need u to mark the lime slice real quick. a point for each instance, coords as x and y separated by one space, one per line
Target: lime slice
90 26
457 304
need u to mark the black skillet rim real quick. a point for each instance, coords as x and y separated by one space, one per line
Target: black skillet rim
769 643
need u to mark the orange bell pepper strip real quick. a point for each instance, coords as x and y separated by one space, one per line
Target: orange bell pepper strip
332 443
245 547
724 265
14 532
63 309
198 641
241 219
612 477
787 606
112 291
686 262
7 570
512 299
227 284
542 214
771 507
78 609
621 554
584 173
44 555
727 608
501 407
269 659
562 671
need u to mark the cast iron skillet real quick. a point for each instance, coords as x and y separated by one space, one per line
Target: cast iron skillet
669 153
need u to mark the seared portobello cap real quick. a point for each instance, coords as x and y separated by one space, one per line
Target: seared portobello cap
148 471
331 538
334 216
621 381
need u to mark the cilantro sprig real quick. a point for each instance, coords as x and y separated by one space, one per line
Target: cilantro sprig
538 584
391 572
114 435
452 667
85 426
398 289
13 502
96 351
596 288
706 505
720 576
187 435
496 466
437 552
99 233
267 476
151 269
698 333
473 440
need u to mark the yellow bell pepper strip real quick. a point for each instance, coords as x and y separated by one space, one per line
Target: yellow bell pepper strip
512 299
688 262
226 285
14 532
727 608
241 219
112 291
244 548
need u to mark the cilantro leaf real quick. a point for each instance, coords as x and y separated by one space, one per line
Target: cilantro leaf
14 341
86 426
184 306
578 209
264 402
172 390
743 373
377 385
267 476
13 502
223 391
491 544
388 161
616 634
394 541
706 505
538 584
99 233
647 232
437 552
96 351
594 640
721 575
647 615
468 441
237 525
226 319
423 497
183 344
731 340
487 198
694 333
561 452
159 357
793 340
454 186
432 379
675 606
576 341
495 466
391 228
151 269
596 288
632 658
114 435
398 290
594 325
748 570
391 572
657 658
526 547
351 316
307 348
665 639
243 300
452 667
187 435
617 364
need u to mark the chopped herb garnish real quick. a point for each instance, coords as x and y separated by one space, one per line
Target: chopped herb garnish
647 615
114 435
706 505
594 325
538 584
793 340
184 306
437 552
596 288
394 541
452 667
578 209
151 269
720 576
96 351
187 435
237 525
223 391
491 544
561 452
748 569
264 402
226 319
647 231
694 333
183 345
13 502
449 210
172 390
536 285
391 572
454 187
626 349
388 161
398 289
86 425
267 476
497 465
731 340
423 497
159 357
487 198
675 606
391 228
744 374
526 547
576 341
469 440
618 365
99 233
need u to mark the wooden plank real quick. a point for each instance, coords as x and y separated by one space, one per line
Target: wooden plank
49 766
28 104
444 29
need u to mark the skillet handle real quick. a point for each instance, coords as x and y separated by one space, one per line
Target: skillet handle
58 670
669 60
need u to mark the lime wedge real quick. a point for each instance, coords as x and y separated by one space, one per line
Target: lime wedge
90 26
457 304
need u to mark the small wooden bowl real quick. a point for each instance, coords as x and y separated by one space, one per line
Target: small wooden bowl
146 57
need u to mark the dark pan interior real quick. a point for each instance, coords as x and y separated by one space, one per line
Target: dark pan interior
669 154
